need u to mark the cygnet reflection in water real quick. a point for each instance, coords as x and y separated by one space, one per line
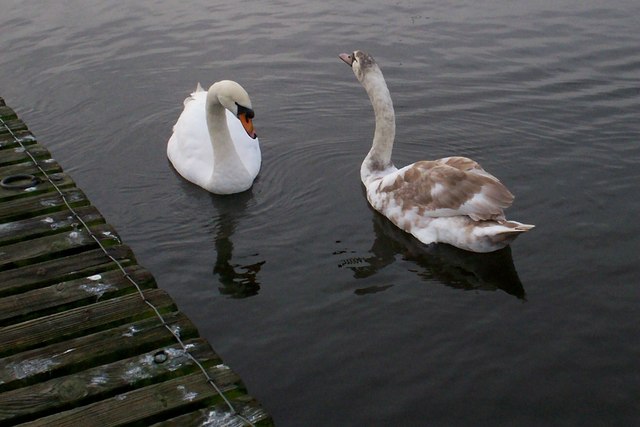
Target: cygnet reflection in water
441 262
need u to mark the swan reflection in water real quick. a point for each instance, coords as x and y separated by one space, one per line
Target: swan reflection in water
235 280
449 265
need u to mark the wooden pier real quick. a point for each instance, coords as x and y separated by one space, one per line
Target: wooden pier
86 336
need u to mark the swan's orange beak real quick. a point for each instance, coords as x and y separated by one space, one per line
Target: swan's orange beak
247 124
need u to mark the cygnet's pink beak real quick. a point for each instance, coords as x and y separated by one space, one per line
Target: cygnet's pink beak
348 59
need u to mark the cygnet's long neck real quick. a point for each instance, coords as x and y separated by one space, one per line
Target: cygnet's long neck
379 157
224 152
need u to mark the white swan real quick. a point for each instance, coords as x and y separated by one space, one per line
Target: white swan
451 200
218 151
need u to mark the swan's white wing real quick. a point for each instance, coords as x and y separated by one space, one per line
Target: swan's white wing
445 187
248 149
189 148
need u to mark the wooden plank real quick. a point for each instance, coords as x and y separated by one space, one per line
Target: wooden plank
92 385
56 270
57 245
82 320
13 124
7 113
18 154
7 140
152 403
62 180
66 295
56 222
35 205
27 167
219 415
77 354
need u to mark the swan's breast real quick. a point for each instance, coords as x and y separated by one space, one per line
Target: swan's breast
247 148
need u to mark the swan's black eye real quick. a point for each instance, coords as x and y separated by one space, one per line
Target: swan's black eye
248 111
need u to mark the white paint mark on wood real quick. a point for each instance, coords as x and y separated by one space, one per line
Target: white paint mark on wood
222 419
49 202
28 368
187 395
97 289
176 330
131 331
100 379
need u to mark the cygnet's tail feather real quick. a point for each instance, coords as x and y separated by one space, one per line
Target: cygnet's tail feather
508 231
516 227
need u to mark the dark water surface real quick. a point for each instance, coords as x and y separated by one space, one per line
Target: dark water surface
331 316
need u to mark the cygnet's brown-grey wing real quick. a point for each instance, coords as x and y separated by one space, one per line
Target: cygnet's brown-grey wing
447 187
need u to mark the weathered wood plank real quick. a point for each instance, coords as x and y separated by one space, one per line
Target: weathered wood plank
18 155
149 404
7 113
246 406
56 270
7 140
94 384
57 245
79 321
29 367
56 222
41 204
62 180
13 124
71 294
27 167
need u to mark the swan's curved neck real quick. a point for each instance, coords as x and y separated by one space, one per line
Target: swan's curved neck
379 157
224 151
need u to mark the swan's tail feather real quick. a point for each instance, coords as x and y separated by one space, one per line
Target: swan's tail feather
191 97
